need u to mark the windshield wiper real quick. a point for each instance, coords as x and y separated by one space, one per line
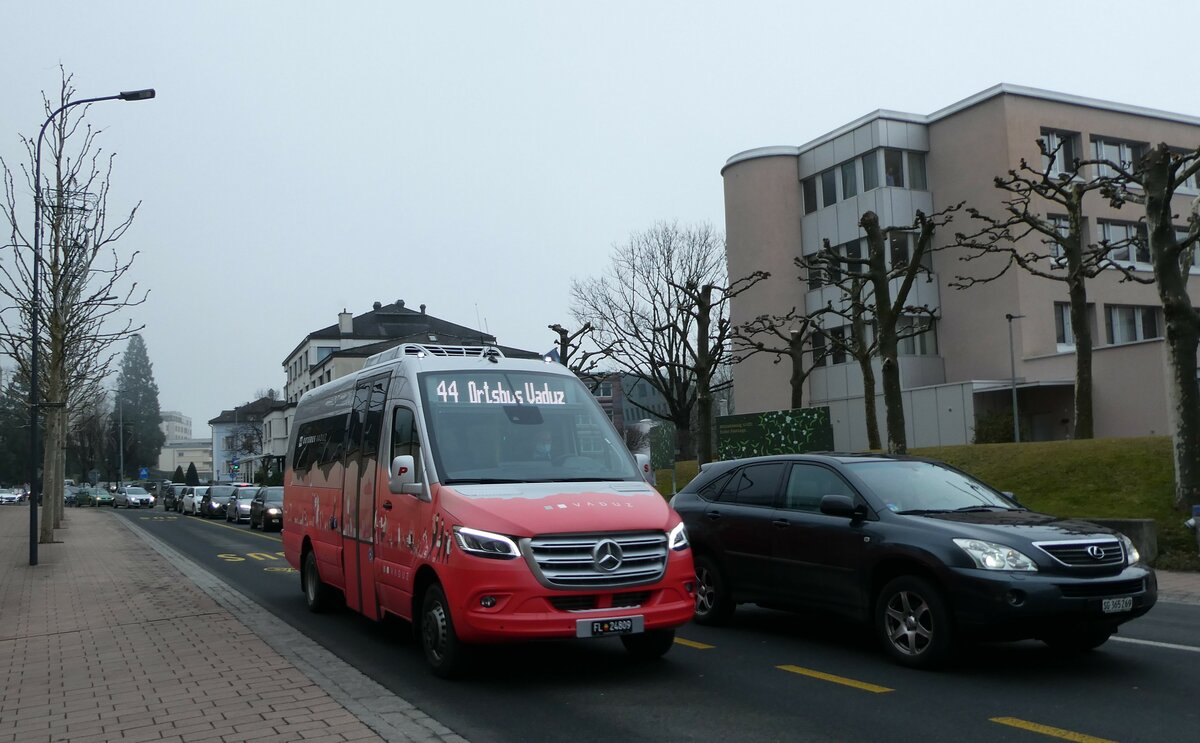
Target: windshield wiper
923 511
586 479
482 481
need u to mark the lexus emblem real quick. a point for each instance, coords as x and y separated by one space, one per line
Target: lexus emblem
1096 553
607 556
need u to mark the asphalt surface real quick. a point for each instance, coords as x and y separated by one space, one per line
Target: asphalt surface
769 676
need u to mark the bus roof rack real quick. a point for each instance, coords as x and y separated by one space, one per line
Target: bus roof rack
425 349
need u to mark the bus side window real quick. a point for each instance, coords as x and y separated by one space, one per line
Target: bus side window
404 439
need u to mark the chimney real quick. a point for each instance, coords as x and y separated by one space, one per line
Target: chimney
377 305
422 309
345 323
400 303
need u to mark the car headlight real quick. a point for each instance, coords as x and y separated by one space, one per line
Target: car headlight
485 543
992 556
1131 551
677 539
273 511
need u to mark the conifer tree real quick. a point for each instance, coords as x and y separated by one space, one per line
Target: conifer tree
178 476
192 477
135 422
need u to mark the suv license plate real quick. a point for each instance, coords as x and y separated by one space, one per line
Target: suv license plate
606 627
1112 606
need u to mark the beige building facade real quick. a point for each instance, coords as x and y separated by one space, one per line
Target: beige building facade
783 202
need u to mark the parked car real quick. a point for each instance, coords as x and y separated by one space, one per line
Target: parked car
238 509
924 553
190 505
133 496
103 497
215 500
85 496
14 496
266 510
69 494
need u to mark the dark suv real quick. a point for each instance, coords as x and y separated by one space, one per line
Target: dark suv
215 501
924 553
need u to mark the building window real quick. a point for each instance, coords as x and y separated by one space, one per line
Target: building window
916 172
893 168
1062 325
818 349
849 180
1190 258
837 351
814 279
870 165
828 188
810 194
1126 240
1061 225
924 344
1127 324
1064 148
898 249
1122 153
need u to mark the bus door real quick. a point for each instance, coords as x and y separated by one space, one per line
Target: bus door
358 492
401 519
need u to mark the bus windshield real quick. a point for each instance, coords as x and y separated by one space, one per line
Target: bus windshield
509 426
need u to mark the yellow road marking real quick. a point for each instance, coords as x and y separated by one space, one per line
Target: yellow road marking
240 531
836 679
694 644
1053 732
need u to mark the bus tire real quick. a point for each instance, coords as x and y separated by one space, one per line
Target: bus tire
317 595
443 651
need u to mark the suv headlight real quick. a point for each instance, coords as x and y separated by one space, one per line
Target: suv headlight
992 556
677 539
1131 552
485 543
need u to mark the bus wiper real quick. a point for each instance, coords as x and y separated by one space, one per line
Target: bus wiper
481 481
587 479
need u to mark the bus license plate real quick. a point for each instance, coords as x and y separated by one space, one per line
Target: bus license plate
1112 606
606 627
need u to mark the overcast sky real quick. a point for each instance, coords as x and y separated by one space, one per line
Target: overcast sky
305 157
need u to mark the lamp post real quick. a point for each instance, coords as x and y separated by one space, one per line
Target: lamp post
1012 360
35 307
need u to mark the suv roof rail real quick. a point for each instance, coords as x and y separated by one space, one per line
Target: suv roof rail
425 349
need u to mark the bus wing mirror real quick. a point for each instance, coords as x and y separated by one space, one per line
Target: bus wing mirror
402 478
643 463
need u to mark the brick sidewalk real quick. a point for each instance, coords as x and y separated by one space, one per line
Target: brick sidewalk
92 648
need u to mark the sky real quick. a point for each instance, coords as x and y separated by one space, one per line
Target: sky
302 158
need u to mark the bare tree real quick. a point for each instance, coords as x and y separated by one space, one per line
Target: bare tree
85 286
866 300
786 336
583 362
1172 248
1050 246
648 308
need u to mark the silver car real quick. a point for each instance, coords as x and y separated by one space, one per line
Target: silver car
132 496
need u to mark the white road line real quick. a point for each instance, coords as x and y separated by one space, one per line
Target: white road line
1168 645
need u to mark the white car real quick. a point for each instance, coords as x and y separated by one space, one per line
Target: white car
192 500
16 495
132 496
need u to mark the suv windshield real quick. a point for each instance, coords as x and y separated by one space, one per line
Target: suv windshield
906 486
506 426
221 491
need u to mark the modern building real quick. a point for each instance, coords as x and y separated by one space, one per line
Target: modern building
240 438
183 452
783 202
342 348
176 426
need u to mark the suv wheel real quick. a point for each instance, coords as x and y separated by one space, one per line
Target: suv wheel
912 622
713 602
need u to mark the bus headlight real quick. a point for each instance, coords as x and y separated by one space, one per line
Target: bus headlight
485 544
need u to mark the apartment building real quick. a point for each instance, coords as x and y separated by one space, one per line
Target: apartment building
785 201
175 425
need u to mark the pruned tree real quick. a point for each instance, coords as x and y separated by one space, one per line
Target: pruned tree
178 475
661 288
573 354
85 282
1153 183
1053 246
191 477
866 300
787 336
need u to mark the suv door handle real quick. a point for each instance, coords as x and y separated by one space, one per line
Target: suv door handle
712 515
387 505
781 523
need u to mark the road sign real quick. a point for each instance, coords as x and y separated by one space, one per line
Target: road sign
143 473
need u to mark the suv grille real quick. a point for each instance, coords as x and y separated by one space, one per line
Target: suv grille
1085 554
570 560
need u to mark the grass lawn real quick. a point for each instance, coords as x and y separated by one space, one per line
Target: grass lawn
1102 478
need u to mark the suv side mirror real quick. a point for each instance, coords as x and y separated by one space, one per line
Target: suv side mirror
842 505
402 477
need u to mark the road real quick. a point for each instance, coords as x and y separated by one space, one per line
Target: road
769 676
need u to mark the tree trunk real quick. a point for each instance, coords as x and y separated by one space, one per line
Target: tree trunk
49 463
684 441
872 416
799 373
1082 329
893 402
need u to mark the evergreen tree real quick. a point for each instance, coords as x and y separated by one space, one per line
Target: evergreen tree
135 425
192 477
14 429
178 476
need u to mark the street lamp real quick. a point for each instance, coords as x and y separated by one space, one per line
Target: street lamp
35 306
1012 360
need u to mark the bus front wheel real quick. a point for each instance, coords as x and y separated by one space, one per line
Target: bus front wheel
443 651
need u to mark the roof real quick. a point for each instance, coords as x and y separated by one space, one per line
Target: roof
251 412
953 108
